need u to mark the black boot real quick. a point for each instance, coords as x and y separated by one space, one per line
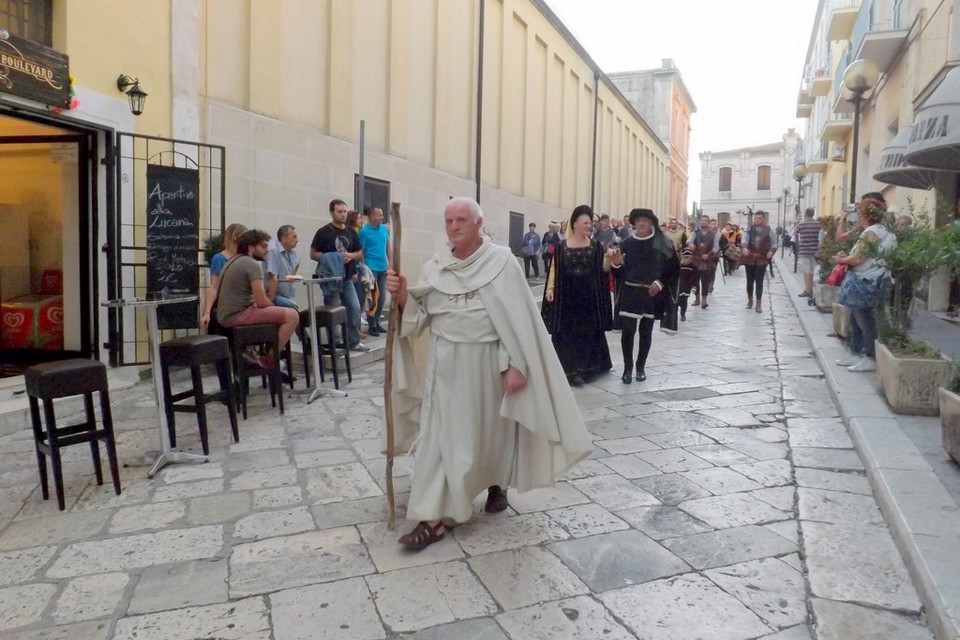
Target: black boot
641 375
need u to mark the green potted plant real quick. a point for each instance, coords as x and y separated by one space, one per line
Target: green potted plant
910 371
950 412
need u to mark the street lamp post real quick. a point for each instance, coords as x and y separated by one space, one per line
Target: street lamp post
799 173
858 78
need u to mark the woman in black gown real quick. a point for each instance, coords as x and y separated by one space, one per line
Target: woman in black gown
648 268
576 301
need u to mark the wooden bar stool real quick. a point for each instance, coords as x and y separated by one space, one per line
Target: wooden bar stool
194 352
75 377
328 317
265 337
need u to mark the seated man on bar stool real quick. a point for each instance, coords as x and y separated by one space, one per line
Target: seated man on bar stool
240 295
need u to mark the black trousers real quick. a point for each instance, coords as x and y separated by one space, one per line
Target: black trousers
706 281
531 260
755 275
547 261
626 341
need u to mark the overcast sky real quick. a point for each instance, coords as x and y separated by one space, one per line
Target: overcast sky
740 59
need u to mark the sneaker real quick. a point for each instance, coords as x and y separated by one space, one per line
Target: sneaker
850 360
359 347
373 331
865 364
804 295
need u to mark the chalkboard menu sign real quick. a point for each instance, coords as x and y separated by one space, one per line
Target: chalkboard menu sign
173 216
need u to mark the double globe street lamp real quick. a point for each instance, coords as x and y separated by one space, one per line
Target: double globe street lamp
859 77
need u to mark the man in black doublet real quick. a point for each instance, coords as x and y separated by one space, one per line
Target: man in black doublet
648 269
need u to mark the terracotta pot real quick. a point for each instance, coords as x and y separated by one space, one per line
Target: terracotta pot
910 384
950 422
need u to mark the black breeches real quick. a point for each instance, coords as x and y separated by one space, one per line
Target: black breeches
755 275
626 341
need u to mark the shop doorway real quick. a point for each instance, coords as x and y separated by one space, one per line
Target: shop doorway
46 220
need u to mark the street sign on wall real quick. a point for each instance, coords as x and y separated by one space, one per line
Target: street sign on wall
33 71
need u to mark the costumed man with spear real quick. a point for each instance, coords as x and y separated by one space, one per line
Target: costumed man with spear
493 408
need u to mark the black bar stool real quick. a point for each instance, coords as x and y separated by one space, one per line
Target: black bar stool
265 337
194 352
75 377
328 317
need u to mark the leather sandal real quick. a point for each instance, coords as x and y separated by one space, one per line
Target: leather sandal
422 536
496 500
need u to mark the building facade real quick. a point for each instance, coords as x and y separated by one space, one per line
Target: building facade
662 98
264 103
752 178
915 45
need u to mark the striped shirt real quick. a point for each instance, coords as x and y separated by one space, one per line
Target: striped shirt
807 237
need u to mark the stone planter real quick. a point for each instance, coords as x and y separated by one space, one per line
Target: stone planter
910 384
950 422
824 296
841 320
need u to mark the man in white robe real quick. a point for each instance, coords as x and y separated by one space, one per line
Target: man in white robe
493 408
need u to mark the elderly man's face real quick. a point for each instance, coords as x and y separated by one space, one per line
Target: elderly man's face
462 230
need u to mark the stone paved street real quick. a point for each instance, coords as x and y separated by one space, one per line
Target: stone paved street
723 501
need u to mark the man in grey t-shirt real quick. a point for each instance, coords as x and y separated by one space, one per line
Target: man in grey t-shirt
605 234
240 295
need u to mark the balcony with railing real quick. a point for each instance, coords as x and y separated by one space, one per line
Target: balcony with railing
879 37
840 104
842 18
837 128
820 83
820 160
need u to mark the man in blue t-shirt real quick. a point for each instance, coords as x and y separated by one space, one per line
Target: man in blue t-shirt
374 237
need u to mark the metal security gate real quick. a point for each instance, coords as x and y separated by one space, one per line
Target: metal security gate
151 253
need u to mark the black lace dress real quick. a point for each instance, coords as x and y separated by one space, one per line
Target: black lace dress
581 310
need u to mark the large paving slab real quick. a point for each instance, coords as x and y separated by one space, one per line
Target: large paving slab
723 500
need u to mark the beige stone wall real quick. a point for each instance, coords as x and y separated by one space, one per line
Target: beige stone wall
409 70
284 84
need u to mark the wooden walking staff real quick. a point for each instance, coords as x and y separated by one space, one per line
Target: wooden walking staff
392 329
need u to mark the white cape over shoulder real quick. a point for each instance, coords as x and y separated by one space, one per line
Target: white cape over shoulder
553 437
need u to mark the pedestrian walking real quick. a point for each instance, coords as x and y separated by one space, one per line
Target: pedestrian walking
648 269
530 251
705 244
576 301
492 408
757 248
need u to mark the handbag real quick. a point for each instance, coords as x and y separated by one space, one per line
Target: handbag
859 293
835 279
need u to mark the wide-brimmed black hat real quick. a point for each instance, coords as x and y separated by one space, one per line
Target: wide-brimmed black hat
644 213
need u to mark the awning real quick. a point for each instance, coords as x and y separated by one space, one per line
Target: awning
894 169
935 141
